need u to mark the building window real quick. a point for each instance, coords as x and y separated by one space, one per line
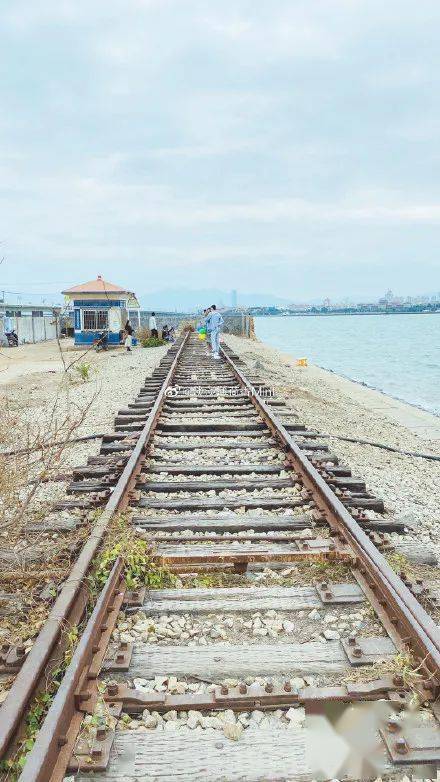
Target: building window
95 320
37 313
13 313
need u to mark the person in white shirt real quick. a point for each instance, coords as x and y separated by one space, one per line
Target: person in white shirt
153 325
214 323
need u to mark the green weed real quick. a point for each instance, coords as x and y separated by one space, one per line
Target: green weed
84 371
13 766
140 567
153 342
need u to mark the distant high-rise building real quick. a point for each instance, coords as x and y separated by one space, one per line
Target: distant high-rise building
234 298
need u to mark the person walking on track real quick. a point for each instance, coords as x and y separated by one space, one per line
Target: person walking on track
153 325
128 336
214 323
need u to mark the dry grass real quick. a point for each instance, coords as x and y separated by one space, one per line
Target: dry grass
142 334
402 665
32 557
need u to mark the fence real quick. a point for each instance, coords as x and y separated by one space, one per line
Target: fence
29 329
240 325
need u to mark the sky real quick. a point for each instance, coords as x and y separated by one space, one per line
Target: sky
284 147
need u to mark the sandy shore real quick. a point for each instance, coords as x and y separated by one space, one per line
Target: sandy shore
334 405
33 383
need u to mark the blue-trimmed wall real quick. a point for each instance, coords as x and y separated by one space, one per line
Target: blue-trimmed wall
87 337
98 304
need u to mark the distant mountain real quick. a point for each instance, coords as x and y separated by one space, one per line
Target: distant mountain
184 300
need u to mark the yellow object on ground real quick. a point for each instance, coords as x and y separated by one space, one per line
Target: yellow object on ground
202 336
301 362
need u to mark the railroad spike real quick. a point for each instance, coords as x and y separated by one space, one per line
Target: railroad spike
401 746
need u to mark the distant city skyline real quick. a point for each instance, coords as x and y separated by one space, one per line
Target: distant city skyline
182 299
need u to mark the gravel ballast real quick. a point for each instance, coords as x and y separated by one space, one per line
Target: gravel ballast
331 404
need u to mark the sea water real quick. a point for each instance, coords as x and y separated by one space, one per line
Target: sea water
396 354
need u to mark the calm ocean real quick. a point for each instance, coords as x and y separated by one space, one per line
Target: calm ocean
397 354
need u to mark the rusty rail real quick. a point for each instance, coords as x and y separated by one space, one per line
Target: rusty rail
49 757
403 608
25 684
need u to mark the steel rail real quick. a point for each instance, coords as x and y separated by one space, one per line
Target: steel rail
423 632
52 749
26 681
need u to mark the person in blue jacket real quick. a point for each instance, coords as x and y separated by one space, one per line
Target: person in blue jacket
214 323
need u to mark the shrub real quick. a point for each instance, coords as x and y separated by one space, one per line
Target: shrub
153 342
84 371
142 334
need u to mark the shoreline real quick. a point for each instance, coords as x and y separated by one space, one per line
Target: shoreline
363 384
419 421
344 314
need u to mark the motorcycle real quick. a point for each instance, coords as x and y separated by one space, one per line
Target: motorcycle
12 338
102 342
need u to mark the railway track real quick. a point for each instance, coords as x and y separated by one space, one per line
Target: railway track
285 625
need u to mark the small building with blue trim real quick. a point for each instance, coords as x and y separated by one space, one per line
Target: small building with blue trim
100 306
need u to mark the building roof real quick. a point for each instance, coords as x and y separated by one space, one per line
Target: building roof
96 286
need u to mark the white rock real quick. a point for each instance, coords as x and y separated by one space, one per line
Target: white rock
314 614
288 626
138 683
151 722
172 683
227 716
171 725
170 715
213 722
159 680
232 730
257 716
195 718
296 717
332 635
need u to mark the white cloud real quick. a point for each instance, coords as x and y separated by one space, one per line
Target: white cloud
219 131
